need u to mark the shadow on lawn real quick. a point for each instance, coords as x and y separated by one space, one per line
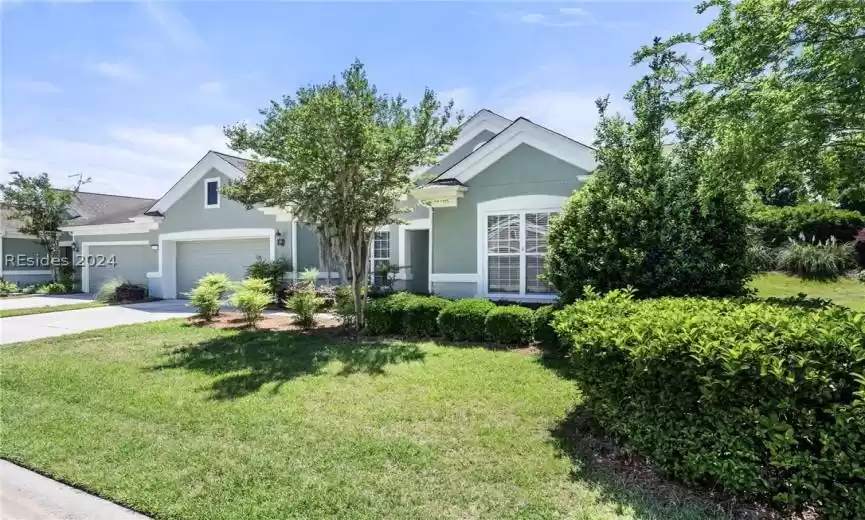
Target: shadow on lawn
629 481
250 359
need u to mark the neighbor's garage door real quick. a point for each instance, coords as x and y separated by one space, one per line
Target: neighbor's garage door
131 264
195 259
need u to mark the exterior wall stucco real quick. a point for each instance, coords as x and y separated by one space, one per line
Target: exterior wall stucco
523 171
189 214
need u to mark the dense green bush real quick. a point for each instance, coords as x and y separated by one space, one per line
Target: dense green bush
420 315
207 299
386 315
543 331
465 320
251 297
7 288
272 271
657 234
819 221
511 325
816 260
219 281
756 398
305 304
53 288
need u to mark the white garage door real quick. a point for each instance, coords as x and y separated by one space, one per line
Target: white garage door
128 263
232 257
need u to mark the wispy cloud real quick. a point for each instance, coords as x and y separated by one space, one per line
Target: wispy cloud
117 70
174 25
35 86
211 88
568 17
125 160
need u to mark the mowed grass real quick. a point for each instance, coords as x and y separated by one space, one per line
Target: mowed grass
184 422
9 313
843 291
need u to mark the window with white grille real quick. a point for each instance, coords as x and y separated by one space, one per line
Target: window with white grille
380 258
516 246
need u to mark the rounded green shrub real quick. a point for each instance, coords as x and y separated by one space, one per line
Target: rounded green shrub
206 298
543 331
386 315
420 315
760 399
465 320
510 325
818 221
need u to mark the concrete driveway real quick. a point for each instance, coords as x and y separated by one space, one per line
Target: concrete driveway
25 495
37 326
29 302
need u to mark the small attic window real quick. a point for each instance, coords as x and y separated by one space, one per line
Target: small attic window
70 213
211 193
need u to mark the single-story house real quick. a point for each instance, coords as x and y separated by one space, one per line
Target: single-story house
475 225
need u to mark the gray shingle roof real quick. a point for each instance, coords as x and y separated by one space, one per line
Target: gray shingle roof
238 162
100 208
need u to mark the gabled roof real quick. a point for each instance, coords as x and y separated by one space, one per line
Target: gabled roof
233 167
521 131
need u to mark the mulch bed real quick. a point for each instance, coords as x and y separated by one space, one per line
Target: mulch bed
326 325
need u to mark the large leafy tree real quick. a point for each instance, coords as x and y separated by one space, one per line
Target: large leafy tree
647 219
40 207
779 87
338 155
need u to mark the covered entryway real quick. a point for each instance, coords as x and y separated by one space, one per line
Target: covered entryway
127 262
232 257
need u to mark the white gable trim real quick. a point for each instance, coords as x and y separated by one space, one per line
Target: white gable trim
483 121
210 161
524 132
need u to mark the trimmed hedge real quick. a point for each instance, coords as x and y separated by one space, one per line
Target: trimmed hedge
386 315
465 320
763 399
511 325
420 315
775 224
544 333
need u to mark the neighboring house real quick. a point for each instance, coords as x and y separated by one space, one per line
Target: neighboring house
24 261
475 225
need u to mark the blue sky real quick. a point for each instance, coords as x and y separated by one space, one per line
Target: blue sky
132 94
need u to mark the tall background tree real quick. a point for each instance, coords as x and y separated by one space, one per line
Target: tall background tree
779 87
338 155
39 207
645 218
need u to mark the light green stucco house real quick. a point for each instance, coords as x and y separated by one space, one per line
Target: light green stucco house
476 224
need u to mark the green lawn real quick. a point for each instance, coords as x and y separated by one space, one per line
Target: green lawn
844 291
9 313
184 422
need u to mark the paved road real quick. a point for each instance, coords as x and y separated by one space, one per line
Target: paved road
28 302
37 326
25 495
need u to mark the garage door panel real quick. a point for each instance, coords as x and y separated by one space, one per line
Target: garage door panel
130 264
232 257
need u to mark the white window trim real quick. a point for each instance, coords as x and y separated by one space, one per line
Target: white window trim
372 257
511 205
85 253
218 182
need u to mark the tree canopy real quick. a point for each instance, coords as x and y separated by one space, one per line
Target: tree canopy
339 156
779 87
39 207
